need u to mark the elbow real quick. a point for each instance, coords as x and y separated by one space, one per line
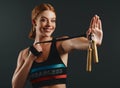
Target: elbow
16 84
13 84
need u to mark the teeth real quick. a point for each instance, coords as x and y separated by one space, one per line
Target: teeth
47 29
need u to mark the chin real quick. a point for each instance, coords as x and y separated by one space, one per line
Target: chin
47 35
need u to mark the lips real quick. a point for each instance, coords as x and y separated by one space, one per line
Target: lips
47 29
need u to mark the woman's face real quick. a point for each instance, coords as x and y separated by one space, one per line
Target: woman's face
45 23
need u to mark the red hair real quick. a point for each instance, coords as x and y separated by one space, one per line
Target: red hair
35 13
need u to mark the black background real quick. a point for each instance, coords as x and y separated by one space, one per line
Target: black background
73 18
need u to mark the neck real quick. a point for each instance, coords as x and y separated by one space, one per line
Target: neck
42 38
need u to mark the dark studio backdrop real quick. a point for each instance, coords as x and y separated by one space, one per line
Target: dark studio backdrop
73 18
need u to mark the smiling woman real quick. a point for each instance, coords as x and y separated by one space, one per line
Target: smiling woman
45 64
44 18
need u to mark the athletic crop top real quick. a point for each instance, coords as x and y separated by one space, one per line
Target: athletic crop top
50 72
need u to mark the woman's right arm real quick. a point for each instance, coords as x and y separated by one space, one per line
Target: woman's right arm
24 64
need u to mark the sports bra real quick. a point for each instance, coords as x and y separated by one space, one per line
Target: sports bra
50 72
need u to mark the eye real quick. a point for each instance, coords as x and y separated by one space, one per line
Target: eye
43 20
53 20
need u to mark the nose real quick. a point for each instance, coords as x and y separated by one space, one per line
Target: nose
48 24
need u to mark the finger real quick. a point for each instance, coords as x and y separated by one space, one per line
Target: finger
97 22
88 32
96 25
91 22
100 24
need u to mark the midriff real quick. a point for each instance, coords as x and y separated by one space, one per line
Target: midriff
55 86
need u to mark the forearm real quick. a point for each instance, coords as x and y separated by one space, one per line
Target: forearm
81 43
21 75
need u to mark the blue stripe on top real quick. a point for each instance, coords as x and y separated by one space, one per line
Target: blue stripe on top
47 67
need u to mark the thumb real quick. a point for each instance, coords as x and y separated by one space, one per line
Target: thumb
88 32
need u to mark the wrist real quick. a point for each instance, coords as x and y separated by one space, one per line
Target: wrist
34 51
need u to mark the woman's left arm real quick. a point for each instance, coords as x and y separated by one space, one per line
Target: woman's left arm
82 43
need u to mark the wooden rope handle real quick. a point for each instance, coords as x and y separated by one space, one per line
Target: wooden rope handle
91 53
89 60
95 52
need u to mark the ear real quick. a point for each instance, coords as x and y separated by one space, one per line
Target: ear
33 22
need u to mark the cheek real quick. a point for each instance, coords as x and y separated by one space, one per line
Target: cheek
54 26
40 26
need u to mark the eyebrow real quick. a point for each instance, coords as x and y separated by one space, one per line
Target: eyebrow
46 17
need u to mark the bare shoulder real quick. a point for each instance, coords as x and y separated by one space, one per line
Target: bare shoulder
25 52
22 54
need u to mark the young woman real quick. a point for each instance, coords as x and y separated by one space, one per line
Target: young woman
45 64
